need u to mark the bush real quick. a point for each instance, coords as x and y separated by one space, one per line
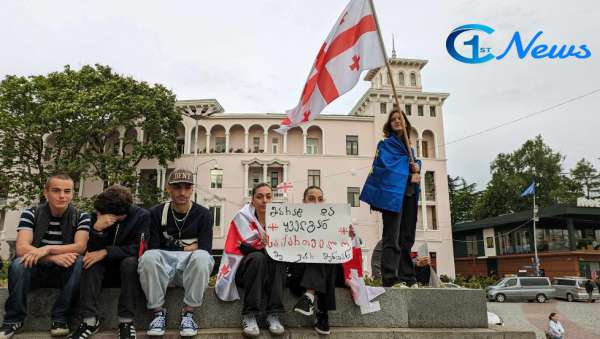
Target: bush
4 273
445 279
370 281
475 281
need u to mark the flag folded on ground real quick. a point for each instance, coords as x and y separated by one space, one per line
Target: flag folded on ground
353 45
529 190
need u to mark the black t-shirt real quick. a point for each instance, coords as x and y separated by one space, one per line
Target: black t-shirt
196 225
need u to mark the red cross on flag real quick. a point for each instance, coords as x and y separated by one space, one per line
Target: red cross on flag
285 187
353 45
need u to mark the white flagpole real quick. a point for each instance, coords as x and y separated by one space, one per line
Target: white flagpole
389 70
537 260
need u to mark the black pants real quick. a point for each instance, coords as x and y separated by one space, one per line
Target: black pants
423 275
321 278
262 280
397 240
105 273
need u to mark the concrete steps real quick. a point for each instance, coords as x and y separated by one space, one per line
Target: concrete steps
400 308
336 333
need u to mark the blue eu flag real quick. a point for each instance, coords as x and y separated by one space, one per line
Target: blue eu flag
530 190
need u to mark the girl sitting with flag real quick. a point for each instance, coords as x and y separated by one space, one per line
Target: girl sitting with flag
320 280
392 188
245 264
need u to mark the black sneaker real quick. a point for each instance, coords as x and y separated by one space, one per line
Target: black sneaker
84 331
7 330
126 331
59 329
305 306
322 323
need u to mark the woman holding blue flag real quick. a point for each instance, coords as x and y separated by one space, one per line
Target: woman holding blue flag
392 188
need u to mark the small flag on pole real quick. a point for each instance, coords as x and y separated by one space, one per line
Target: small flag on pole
530 190
285 187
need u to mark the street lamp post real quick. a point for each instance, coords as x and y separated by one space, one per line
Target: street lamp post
193 113
196 176
197 113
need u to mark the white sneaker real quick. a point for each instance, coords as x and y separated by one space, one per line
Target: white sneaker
275 326
188 327
400 285
249 326
158 325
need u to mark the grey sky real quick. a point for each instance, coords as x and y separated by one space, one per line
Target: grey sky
254 56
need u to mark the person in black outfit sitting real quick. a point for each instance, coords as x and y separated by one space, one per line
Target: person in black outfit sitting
111 259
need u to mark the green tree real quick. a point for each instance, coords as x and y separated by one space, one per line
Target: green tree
462 199
587 177
513 172
75 121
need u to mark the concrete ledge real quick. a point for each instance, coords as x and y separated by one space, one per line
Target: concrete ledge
400 308
340 332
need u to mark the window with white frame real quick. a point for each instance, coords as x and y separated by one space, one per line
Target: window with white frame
432 112
219 144
353 194
420 110
314 178
383 108
471 245
256 144
413 79
401 79
216 214
275 145
274 179
216 178
408 109
312 145
351 144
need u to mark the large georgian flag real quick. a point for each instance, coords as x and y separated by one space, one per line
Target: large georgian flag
353 45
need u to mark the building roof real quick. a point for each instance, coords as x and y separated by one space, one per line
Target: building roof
419 63
546 212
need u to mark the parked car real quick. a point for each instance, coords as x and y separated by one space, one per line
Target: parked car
573 289
521 289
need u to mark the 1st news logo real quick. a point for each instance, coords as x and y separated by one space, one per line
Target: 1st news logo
472 51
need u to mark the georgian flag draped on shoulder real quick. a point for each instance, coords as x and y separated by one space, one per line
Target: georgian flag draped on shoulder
352 46
244 228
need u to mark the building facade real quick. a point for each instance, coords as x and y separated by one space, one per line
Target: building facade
567 239
232 152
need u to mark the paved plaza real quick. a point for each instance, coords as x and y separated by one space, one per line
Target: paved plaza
581 320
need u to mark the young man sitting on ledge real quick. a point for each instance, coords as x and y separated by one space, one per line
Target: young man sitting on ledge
50 240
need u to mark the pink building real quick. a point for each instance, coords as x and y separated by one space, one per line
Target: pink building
233 151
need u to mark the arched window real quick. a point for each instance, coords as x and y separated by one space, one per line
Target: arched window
413 79
401 79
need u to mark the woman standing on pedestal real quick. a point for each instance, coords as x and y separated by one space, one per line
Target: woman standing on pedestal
392 188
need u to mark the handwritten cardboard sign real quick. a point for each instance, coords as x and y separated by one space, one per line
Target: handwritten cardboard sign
309 233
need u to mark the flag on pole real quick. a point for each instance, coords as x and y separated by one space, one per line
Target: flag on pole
353 45
285 187
529 190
